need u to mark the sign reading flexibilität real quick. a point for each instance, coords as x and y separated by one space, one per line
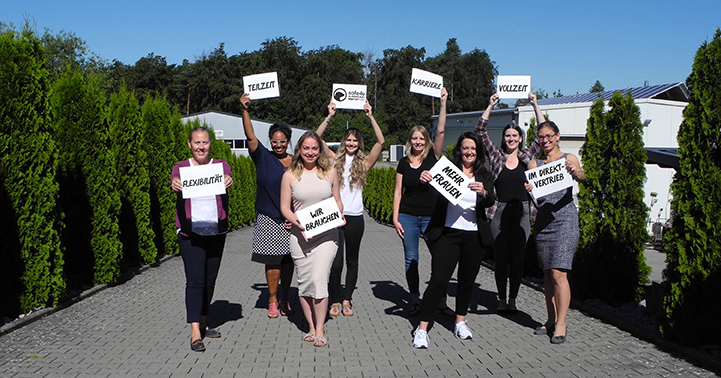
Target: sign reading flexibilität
449 180
320 217
349 96
426 83
202 180
513 86
261 86
549 178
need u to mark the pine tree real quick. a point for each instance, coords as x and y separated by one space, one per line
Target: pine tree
127 132
610 263
28 158
693 306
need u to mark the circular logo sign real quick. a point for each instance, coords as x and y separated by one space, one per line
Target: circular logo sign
340 95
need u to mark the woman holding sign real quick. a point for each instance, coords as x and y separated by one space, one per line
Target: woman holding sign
414 200
271 240
460 234
510 215
310 179
556 232
202 223
352 164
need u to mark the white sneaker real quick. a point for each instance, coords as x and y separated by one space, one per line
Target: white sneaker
462 331
420 339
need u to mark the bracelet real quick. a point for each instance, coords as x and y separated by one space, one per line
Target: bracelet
327 121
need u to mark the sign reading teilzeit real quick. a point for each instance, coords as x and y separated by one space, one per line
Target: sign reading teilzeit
349 96
261 86
426 83
549 178
320 217
449 180
202 180
513 86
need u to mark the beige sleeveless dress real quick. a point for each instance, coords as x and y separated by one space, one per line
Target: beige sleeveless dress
312 258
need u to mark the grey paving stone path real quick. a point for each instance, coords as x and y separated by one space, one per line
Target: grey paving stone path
138 330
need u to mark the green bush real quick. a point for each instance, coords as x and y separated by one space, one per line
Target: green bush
693 303
378 193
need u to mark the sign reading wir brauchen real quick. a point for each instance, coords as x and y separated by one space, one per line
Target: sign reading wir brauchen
320 217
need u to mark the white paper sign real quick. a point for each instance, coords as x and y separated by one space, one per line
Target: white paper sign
349 96
513 86
426 83
448 180
549 178
320 217
261 86
202 180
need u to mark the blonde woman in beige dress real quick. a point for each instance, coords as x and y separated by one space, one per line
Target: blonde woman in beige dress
311 178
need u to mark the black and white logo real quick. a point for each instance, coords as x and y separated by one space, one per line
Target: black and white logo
340 94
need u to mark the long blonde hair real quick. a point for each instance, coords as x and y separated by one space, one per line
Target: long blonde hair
358 166
426 148
322 162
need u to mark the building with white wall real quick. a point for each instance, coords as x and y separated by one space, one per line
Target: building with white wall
229 128
661 113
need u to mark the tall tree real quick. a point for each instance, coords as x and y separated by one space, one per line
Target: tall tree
597 87
694 244
610 263
28 190
67 50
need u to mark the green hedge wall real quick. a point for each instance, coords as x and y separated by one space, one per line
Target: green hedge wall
378 193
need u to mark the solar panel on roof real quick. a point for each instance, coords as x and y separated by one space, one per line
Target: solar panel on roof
637 93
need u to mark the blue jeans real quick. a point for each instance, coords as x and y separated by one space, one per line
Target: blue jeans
413 227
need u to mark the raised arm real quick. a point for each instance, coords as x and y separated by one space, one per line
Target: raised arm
528 153
375 153
441 129
482 128
540 118
323 125
247 125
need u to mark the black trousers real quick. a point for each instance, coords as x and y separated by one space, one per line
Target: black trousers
201 258
454 247
349 241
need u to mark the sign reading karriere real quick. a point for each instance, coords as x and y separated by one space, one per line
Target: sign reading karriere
513 86
349 96
426 83
549 178
449 180
261 86
202 180
320 217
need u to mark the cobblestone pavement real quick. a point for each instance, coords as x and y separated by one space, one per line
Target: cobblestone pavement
138 330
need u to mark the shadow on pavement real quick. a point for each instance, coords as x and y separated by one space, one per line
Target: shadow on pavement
222 312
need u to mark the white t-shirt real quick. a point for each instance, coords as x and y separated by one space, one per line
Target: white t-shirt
463 216
352 198
204 213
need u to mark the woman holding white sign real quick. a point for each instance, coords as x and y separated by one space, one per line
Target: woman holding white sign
556 232
271 240
352 164
310 179
511 214
460 234
414 200
202 223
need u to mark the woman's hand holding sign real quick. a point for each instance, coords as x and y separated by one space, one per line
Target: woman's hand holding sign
478 187
426 177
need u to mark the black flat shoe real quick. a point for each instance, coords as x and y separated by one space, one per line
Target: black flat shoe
212 333
543 330
197 345
558 339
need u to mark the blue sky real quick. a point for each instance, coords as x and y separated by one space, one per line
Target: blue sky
565 45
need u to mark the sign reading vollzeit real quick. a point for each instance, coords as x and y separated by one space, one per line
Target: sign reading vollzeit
426 83
449 180
513 86
202 180
320 217
261 86
549 178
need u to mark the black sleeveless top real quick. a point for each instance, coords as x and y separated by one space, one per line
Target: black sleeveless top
509 184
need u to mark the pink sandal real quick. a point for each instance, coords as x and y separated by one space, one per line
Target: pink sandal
273 310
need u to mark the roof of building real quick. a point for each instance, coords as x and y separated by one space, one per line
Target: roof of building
673 92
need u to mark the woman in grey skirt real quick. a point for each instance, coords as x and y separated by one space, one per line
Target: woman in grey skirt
556 232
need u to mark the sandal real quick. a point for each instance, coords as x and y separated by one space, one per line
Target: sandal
211 333
285 308
347 310
320 341
197 345
334 310
309 337
273 310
